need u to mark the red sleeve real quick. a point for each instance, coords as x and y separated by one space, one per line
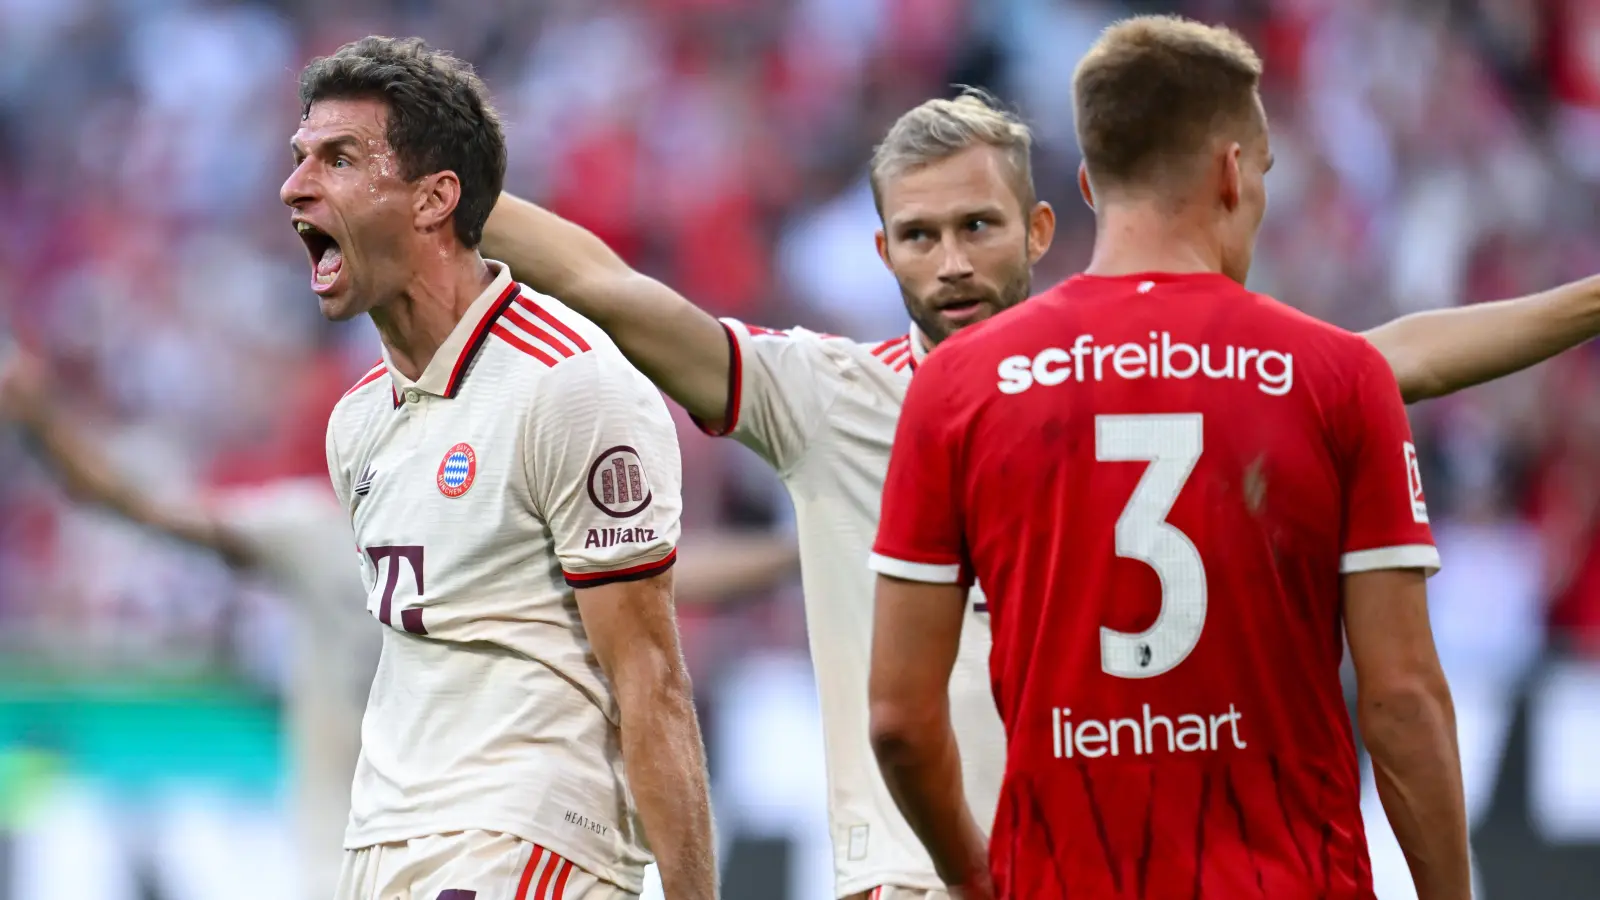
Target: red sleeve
1385 516
921 533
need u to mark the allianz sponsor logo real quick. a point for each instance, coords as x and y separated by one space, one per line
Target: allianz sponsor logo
1272 371
1186 733
613 537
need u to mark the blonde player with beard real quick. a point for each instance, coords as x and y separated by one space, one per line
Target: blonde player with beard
961 230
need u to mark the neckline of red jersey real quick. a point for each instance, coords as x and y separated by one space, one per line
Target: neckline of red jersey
1157 277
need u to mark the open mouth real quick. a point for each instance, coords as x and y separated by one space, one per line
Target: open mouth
961 308
327 258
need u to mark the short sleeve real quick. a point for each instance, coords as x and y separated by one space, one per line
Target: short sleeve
781 385
921 533
603 466
1385 513
336 472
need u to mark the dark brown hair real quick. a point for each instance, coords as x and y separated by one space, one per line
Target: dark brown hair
439 116
1154 90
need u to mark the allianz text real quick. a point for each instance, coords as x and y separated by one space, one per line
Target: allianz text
1272 371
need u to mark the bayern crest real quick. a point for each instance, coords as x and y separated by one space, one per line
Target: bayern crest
458 470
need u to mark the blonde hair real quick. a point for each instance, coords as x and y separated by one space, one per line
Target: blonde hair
1154 89
939 129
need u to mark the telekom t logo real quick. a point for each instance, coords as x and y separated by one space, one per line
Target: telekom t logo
410 618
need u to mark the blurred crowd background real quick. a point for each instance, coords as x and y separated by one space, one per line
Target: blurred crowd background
1429 153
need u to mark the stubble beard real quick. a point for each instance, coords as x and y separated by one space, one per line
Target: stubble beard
933 326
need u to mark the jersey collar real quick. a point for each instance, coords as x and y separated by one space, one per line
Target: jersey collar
448 368
919 347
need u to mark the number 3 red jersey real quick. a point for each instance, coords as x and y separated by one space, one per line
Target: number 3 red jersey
1159 480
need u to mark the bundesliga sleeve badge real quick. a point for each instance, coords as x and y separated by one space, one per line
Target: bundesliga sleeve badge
458 470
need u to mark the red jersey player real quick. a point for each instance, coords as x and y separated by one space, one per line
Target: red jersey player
1173 491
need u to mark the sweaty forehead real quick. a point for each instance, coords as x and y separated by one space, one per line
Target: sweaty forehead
971 181
363 121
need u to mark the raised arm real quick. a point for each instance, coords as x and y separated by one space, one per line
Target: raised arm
90 477
1409 726
1442 351
678 345
631 629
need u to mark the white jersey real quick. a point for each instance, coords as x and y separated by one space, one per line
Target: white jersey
822 410
529 459
298 538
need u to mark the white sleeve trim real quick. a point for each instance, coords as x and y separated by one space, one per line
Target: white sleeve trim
914 571
1405 556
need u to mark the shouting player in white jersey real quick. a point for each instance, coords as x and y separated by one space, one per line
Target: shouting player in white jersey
961 231
514 489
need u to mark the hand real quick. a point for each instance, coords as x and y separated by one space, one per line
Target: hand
23 385
980 886
980 891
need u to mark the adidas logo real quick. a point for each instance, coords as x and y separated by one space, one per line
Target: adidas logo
364 486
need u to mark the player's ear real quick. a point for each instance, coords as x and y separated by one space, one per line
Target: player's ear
883 248
1041 230
1232 182
1084 187
436 199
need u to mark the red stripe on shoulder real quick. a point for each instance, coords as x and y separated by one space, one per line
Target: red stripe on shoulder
891 345
504 334
549 319
761 331
554 343
632 573
368 378
896 356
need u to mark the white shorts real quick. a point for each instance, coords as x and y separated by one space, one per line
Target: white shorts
467 865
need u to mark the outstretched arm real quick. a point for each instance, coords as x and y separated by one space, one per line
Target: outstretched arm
1442 351
678 345
88 476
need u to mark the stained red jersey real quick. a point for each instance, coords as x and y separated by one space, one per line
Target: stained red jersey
1159 480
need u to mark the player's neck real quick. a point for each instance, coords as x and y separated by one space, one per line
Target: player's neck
416 323
1140 238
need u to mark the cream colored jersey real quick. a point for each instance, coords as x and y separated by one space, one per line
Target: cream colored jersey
822 410
298 538
529 460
